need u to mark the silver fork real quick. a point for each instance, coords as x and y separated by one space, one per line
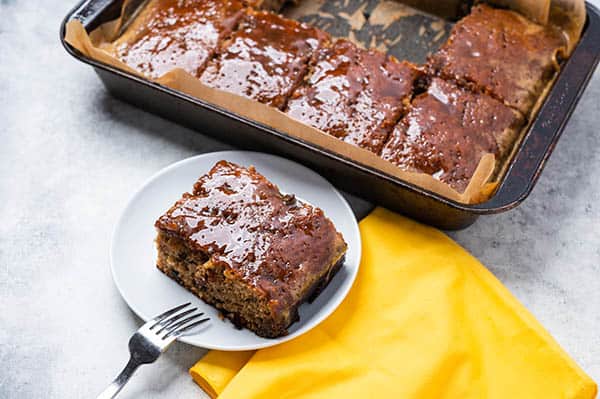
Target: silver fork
152 339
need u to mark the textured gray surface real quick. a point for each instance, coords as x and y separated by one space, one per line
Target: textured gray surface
71 156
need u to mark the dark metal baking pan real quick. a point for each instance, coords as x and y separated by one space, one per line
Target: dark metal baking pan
390 192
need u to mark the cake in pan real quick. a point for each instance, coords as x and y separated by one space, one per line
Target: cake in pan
244 247
473 96
354 94
448 130
265 59
501 53
172 34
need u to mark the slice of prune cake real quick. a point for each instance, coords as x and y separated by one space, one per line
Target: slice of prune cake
265 58
448 130
244 247
502 53
171 34
354 94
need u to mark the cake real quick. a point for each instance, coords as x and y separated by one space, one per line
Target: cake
324 99
172 34
354 94
265 58
244 247
502 53
448 130
472 97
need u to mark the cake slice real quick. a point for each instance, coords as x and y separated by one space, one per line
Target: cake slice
244 247
172 34
324 99
448 130
501 53
387 90
354 94
265 59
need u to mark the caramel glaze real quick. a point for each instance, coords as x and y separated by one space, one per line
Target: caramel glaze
324 99
265 59
273 242
502 53
448 130
354 94
387 88
179 34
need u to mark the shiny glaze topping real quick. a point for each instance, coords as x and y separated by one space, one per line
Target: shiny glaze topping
502 53
179 34
447 131
265 59
324 100
239 219
354 94
387 87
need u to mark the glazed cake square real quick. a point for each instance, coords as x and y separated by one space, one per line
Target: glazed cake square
501 53
244 247
171 34
448 130
354 94
265 59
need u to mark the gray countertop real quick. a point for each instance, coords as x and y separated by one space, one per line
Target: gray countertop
71 156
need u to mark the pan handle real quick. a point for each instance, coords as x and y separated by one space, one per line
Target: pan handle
550 122
89 12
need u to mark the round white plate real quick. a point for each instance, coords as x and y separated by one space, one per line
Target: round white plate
149 292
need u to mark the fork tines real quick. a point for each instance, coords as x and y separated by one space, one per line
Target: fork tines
173 322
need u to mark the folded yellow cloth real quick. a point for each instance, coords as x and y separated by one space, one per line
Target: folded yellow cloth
424 319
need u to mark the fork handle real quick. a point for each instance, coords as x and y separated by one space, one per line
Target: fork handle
115 387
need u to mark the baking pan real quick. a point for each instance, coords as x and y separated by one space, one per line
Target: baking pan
516 184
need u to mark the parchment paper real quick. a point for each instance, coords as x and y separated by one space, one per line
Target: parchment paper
99 45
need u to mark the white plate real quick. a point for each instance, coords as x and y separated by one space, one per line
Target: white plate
149 292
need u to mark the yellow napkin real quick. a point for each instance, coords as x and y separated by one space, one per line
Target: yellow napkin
424 319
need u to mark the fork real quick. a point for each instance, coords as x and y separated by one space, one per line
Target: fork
152 339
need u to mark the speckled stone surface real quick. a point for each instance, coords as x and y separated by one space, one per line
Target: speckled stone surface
71 156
